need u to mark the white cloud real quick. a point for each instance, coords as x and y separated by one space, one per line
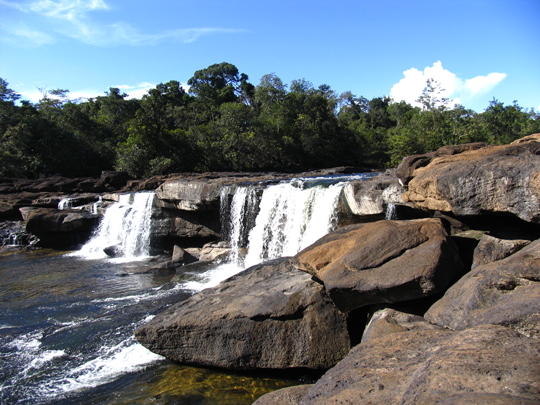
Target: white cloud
71 18
456 89
24 36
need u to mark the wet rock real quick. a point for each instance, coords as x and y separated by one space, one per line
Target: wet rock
382 262
44 220
432 366
491 179
113 251
505 292
270 316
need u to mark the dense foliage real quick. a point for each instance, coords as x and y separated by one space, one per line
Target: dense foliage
226 123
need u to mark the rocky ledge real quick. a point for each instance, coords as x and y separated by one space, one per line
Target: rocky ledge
435 310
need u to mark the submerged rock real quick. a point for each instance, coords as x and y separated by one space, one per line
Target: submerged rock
271 316
505 292
382 262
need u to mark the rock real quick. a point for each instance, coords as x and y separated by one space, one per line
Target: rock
386 321
113 251
494 179
112 180
180 257
372 196
178 254
490 249
270 316
431 366
183 224
382 262
214 251
44 220
505 292
406 169
285 396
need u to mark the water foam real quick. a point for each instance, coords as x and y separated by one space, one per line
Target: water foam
125 227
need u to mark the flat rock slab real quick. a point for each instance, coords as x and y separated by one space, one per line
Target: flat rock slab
505 292
491 179
481 364
271 316
382 262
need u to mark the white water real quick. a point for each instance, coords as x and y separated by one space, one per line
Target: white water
291 216
125 225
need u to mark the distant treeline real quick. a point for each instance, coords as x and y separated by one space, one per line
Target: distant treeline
226 123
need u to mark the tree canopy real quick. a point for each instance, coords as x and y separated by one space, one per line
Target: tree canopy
223 122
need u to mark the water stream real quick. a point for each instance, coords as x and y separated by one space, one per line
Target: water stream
67 320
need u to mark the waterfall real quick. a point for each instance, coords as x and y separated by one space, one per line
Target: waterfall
289 216
391 212
124 229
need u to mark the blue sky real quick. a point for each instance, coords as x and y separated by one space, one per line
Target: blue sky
476 49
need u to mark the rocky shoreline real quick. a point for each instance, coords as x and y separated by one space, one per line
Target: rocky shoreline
441 306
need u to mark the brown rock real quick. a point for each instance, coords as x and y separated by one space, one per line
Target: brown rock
386 321
431 366
504 292
490 249
271 316
382 262
285 396
491 179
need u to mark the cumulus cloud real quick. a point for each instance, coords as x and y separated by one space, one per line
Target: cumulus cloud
456 89
73 19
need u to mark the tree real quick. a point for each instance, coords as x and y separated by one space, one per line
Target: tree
7 94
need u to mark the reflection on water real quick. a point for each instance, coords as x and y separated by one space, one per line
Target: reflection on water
66 336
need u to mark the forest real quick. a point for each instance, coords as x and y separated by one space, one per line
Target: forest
225 123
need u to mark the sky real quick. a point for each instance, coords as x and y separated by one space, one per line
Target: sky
477 50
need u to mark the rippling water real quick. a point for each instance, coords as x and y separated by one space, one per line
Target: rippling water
66 335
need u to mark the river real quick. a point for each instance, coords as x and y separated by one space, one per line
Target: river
67 318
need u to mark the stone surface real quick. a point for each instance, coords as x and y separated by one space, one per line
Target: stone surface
432 366
271 316
284 396
386 321
490 249
382 262
372 196
504 292
215 251
494 179
45 220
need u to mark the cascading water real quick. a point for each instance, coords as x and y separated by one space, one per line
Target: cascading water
125 228
290 216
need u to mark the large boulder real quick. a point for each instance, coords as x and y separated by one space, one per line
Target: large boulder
488 364
505 292
45 220
271 316
494 179
373 196
382 262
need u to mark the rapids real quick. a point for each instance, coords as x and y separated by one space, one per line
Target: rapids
67 318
